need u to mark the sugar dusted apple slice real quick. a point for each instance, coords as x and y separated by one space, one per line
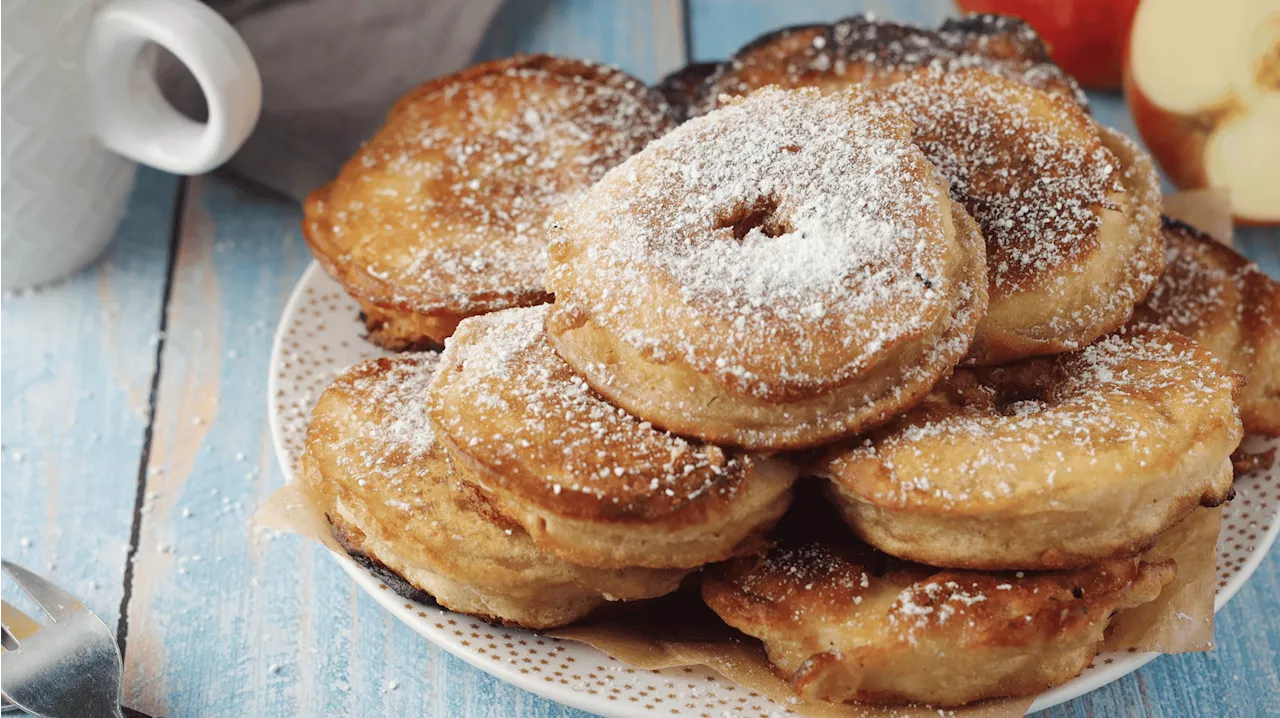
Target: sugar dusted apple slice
1203 82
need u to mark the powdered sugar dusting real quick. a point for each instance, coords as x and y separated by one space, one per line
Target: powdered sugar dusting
447 206
1064 218
987 435
1032 172
375 453
377 444
512 405
392 393
1192 290
818 590
786 234
807 571
933 602
868 51
1204 285
1227 304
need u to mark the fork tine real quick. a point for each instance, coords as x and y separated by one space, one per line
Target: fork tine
18 626
54 601
10 642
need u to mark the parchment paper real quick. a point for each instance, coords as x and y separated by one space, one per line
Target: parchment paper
1180 620
1208 210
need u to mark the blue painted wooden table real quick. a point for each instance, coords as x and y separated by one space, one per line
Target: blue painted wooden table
136 447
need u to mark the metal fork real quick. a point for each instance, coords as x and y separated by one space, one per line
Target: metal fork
69 669
17 627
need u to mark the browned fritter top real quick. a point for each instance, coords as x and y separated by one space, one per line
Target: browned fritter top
1029 167
1009 437
872 52
819 589
1217 297
1208 288
817 581
510 405
446 207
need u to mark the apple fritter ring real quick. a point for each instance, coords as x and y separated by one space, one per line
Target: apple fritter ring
1051 462
1070 211
395 504
588 481
779 273
1229 306
443 213
845 622
864 51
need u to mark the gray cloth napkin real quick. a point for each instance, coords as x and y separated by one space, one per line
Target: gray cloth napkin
330 71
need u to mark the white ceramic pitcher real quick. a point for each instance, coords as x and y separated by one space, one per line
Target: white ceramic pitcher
81 107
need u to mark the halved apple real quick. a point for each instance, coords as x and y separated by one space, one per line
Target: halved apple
1203 83
1087 38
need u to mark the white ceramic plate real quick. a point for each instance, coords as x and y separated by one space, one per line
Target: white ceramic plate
320 335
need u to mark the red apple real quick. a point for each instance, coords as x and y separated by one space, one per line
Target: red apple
1203 84
1087 38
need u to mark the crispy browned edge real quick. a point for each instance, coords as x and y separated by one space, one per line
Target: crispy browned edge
349 538
1261 301
524 484
724 594
372 292
683 88
999 37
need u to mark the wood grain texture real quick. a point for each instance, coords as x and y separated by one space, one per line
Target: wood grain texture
1240 677
78 360
224 621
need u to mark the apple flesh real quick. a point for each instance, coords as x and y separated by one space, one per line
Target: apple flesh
1087 38
1203 84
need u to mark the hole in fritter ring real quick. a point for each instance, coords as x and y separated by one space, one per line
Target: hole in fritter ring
1016 399
761 214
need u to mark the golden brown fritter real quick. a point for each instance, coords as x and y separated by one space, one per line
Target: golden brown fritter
588 481
1069 210
845 622
395 504
779 273
863 51
443 213
1223 301
1052 462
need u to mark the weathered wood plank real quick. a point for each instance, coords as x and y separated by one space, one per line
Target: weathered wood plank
200 613
257 626
79 358
1241 675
